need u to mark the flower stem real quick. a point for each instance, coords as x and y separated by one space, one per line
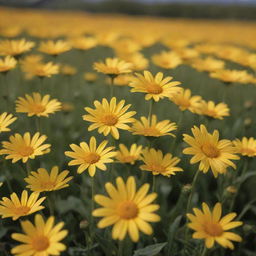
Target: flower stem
38 123
120 248
178 125
28 168
204 251
150 110
154 184
112 86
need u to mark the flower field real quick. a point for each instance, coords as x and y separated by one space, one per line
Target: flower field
126 135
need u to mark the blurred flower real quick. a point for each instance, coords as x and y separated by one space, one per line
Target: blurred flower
89 156
90 77
24 147
43 69
246 146
108 117
7 64
138 61
211 152
41 180
209 225
156 87
157 163
127 209
209 109
16 208
68 70
185 101
152 128
167 60
15 47
43 238
54 48
121 80
113 67
208 64
5 120
187 54
38 105
83 43
128 156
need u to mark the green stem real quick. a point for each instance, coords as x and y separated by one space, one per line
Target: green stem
92 197
204 252
38 123
50 205
150 110
112 77
190 200
154 184
7 176
120 248
28 167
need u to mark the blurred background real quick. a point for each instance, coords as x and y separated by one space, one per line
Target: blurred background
217 9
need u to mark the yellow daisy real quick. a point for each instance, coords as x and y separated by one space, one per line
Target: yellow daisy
15 47
68 70
7 64
210 109
156 87
113 67
43 69
185 101
157 163
127 209
128 156
211 152
167 60
245 146
5 121
89 156
41 180
24 147
208 64
83 43
38 105
108 117
210 226
41 239
15 208
54 48
152 128
138 61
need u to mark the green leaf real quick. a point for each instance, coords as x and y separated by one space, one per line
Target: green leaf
150 250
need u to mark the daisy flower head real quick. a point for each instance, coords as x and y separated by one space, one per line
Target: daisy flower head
210 226
185 101
156 88
230 76
41 238
15 208
42 180
113 67
128 156
15 47
208 64
24 147
54 48
245 146
89 156
210 151
6 120
44 70
83 43
152 128
167 60
37 105
108 117
212 110
129 210
7 64
158 163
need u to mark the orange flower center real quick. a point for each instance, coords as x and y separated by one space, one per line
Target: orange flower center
109 119
154 88
48 185
22 210
26 151
151 131
213 229
40 243
38 108
127 210
210 151
91 158
157 168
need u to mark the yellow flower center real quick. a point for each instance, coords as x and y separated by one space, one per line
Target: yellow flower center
48 185
40 243
91 158
26 151
151 131
38 108
22 210
127 210
109 119
154 88
248 151
213 229
157 168
210 151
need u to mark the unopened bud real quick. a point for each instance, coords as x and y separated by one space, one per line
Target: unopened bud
231 189
247 122
186 188
83 224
